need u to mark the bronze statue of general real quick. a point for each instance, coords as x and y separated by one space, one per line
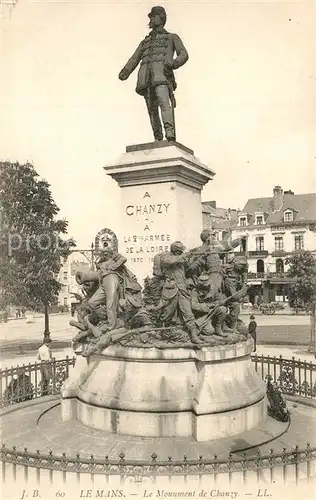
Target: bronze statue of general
156 80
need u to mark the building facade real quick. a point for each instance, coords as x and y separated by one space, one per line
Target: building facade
67 277
220 220
276 227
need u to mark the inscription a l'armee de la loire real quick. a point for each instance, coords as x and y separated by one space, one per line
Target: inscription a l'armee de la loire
145 218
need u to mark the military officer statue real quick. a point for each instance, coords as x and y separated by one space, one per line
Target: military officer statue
156 80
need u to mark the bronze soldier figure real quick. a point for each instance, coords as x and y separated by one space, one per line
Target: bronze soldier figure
175 299
207 257
206 301
156 80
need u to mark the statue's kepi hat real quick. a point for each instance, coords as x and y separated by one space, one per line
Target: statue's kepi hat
158 11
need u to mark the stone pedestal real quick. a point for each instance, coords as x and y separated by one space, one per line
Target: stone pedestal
208 394
161 200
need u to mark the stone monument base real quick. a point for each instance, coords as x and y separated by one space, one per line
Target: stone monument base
208 393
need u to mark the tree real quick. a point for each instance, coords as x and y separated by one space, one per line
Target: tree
31 246
302 289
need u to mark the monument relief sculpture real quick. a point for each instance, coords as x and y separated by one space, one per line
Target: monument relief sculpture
156 81
184 304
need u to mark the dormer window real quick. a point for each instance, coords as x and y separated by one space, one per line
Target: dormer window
243 221
288 216
259 220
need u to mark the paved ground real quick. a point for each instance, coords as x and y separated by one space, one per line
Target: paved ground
20 428
288 329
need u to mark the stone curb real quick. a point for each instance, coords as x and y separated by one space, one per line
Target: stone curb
28 404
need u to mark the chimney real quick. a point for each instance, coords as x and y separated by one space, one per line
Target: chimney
212 203
277 198
229 214
289 192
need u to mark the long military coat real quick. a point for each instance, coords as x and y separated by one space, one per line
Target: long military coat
156 48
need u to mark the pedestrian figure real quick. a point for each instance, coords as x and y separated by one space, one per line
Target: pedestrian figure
252 330
44 355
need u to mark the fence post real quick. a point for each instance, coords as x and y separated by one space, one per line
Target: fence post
230 467
308 464
14 463
258 463
215 470
154 467
121 456
3 454
106 458
244 468
274 369
77 467
64 467
54 376
50 461
281 372
311 380
299 377
11 383
284 457
271 466
170 470
38 469
294 376
268 362
296 464
26 469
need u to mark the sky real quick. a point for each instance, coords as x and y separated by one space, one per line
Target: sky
246 99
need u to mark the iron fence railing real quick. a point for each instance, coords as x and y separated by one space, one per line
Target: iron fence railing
268 468
293 376
26 382
22 383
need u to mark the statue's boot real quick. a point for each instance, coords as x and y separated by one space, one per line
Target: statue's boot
234 328
195 339
219 331
227 329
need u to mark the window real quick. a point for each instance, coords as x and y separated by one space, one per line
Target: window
65 301
278 243
259 243
299 242
260 266
65 275
243 221
259 220
279 266
288 216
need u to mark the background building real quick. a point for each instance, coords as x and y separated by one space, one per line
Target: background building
276 227
67 276
222 220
